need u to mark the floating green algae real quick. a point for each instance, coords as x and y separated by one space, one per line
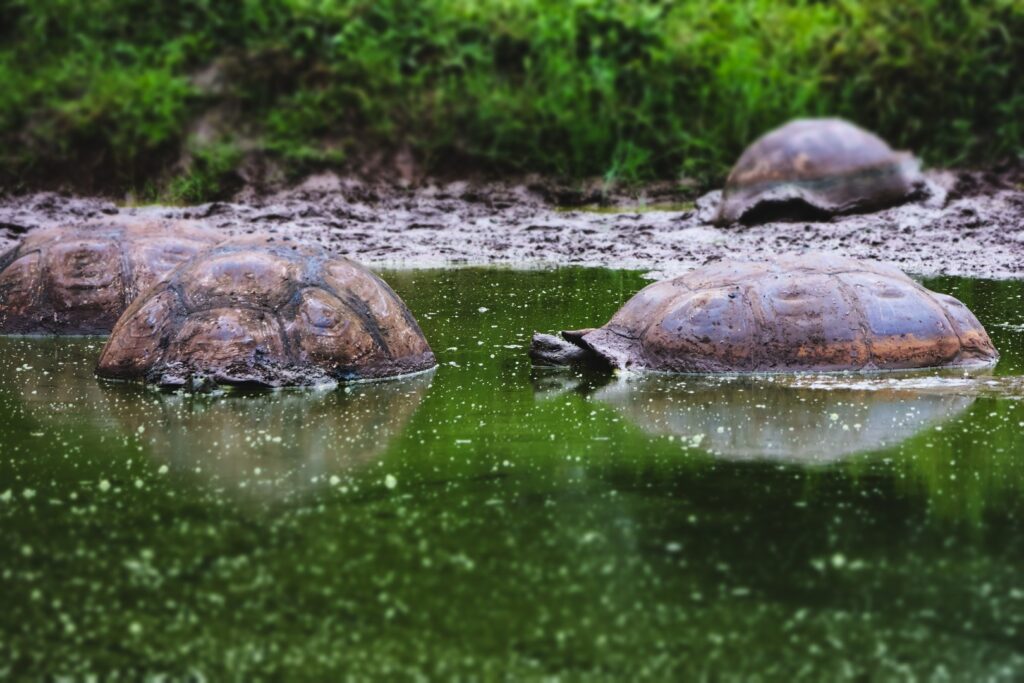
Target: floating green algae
490 520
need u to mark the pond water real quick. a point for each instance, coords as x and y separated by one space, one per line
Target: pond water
488 520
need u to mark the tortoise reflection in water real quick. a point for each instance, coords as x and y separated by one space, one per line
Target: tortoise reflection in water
80 279
816 312
269 445
816 168
255 445
259 313
754 419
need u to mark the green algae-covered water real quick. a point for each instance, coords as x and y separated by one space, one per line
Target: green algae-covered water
488 521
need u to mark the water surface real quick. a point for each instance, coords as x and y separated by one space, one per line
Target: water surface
489 520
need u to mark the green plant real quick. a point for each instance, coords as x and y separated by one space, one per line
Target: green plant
625 90
211 175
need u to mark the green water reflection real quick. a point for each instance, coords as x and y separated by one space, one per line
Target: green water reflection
488 520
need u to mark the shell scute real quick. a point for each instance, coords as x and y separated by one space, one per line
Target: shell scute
143 336
645 305
152 259
706 331
974 341
725 273
86 274
232 340
326 330
19 286
806 319
906 325
256 278
388 318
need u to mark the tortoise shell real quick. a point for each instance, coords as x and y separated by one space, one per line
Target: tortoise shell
816 312
260 313
815 168
80 279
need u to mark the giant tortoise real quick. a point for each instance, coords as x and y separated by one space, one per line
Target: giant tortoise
815 168
259 312
816 312
79 279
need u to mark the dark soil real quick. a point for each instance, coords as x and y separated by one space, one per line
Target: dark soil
972 226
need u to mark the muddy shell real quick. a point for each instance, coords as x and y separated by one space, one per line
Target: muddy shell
266 314
78 280
816 312
813 169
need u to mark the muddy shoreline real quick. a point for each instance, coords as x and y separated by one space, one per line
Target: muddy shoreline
973 228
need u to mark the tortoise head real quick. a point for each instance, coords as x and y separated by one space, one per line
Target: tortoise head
566 350
598 349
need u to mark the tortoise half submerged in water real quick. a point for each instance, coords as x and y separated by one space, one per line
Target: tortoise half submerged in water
816 312
258 313
80 279
815 168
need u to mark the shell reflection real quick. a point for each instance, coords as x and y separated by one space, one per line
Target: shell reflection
765 419
270 445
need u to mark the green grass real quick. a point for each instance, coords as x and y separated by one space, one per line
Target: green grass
103 93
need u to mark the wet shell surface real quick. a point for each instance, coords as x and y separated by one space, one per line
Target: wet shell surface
813 169
266 314
816 312
80 279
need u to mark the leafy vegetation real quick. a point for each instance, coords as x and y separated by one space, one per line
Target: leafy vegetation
106 94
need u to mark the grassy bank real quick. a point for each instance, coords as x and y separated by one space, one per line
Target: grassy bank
171 97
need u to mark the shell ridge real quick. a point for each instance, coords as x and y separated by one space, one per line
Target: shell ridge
292 308
929 296
368 321
359 309
952 323
16 253
395 299
681 282
180 313
853 301
286 343
44 299
871 170
752 297
657 315
129 283
10 256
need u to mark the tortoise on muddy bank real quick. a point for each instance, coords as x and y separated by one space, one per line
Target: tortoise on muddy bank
816 168
816 312
259 313
80 279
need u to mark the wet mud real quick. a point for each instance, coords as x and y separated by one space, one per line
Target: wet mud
973 226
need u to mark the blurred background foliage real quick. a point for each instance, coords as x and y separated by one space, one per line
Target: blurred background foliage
170 97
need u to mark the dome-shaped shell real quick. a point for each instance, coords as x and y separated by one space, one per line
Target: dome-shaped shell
266 314
80 279
816 167
816 312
